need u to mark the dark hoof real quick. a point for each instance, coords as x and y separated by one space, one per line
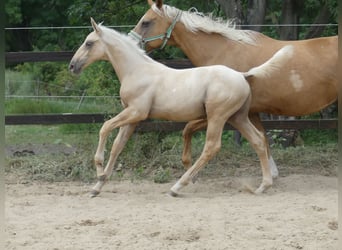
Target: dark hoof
94 193
194 179
102 178
173 194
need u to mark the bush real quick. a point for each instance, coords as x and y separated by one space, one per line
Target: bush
17 83
162 175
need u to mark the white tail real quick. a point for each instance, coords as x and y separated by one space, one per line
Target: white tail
274 63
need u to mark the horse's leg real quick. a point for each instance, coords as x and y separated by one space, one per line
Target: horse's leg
129 115
211 147
126 116
190 128
255 119
120 141
257 139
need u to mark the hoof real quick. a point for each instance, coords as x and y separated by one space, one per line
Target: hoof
247 188
194 179
261 189
258 192
102 178
275 175
94 193
173 194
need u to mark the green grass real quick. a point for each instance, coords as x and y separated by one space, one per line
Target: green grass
65 105
157 156
19 83
61 105
319 137
38 134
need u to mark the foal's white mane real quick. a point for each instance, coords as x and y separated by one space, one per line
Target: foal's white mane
195 21
122 40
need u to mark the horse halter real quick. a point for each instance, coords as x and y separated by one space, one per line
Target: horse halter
165 37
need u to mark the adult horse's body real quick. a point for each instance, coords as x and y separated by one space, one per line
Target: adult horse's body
214 94
305 84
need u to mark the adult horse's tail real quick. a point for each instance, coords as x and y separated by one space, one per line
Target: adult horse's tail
275 63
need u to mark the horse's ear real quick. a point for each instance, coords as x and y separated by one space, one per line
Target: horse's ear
95 26
159 3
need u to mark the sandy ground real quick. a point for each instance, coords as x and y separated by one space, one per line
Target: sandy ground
299 212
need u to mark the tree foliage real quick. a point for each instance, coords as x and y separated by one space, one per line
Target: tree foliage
100 79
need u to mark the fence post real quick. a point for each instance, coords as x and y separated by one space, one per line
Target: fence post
81 100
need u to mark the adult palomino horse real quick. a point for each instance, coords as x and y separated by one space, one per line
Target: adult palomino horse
149 89
305 84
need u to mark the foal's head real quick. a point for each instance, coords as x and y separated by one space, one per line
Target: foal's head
90 51
154 25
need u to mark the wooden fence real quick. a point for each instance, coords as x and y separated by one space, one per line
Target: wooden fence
149 125
18 57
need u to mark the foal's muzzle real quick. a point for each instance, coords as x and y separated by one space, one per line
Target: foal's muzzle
75 67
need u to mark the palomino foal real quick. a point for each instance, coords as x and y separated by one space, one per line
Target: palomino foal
213 94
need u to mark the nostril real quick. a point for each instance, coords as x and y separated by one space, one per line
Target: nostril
71 67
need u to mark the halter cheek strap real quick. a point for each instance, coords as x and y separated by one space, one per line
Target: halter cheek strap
165 37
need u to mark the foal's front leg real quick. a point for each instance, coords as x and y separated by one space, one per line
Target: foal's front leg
211 147
120 141
129 116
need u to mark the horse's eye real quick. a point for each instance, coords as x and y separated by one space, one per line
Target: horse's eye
145 24
89 44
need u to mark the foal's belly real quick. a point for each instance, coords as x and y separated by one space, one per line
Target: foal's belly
181 113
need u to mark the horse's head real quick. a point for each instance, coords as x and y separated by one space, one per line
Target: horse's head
154 29
90 51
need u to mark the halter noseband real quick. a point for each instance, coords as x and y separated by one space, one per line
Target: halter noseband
165 37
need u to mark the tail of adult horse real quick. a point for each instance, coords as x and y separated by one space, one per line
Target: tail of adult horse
273 64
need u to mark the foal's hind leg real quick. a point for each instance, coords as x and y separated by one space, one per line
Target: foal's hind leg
211 147
190 128
258 142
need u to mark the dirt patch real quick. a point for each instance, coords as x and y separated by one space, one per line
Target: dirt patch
133 212
30 149
299 212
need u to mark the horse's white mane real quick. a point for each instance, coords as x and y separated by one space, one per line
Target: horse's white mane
116 38
195 21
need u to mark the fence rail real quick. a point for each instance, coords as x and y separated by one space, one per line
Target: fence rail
149 125
60 56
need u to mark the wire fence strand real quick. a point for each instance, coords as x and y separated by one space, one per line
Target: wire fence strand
131 26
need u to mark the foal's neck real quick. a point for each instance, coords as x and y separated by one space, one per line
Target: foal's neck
125 60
